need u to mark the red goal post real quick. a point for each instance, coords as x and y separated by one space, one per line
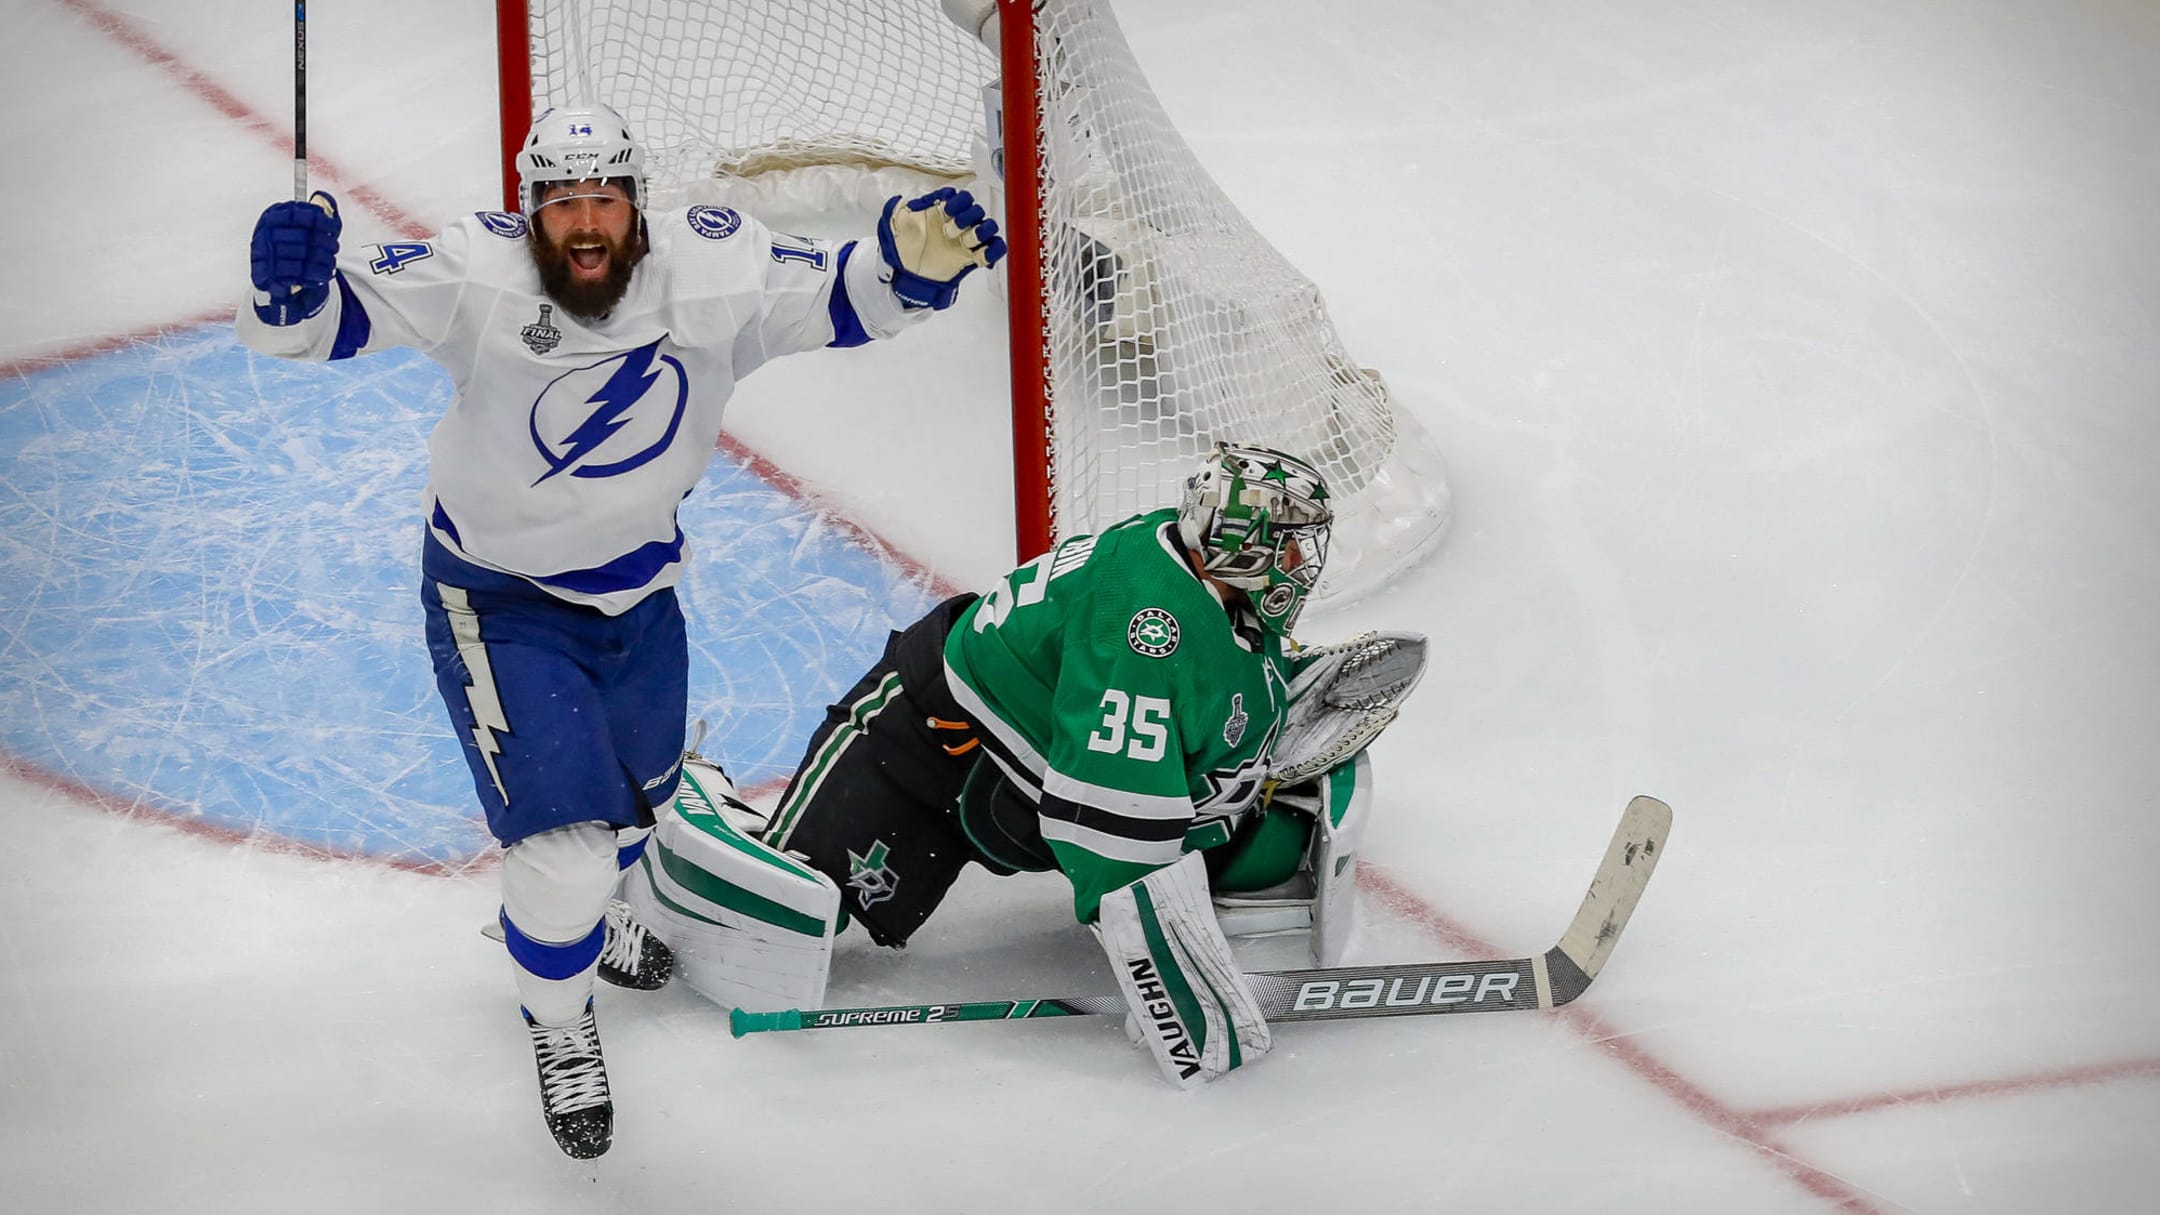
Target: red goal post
1148 319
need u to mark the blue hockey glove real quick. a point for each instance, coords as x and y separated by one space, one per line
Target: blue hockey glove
932 242
291 259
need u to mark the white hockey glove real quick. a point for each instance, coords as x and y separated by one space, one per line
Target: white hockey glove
1192 1007
1345 695
931 243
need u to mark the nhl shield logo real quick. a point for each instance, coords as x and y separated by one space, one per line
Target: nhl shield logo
873 880
542 336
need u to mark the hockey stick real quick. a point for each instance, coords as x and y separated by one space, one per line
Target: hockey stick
1546 980
299 68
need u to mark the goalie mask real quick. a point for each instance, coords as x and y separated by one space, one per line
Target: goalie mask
579 143
1259 520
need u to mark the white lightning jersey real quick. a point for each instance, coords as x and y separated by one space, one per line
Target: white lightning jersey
569 443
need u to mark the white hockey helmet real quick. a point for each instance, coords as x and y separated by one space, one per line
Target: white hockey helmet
1259 519
579 143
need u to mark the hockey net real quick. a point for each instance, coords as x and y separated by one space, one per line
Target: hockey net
1155 320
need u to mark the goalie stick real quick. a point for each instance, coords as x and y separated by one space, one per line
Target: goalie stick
1546 980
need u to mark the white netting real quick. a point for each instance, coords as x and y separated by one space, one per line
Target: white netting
1171 322
752 85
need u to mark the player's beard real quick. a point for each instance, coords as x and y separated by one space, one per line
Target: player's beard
593 299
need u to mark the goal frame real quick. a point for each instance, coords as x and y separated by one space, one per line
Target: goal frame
1145 314
1034 465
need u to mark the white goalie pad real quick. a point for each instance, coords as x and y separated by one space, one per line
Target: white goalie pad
1343 696
751 927
1320 898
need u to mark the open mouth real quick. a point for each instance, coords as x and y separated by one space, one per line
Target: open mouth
589 259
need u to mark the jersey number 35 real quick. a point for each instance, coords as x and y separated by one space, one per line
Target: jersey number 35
1144 718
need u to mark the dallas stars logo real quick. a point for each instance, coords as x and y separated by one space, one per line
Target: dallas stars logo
873 880
1153 632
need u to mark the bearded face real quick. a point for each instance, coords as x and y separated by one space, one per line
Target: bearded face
586 240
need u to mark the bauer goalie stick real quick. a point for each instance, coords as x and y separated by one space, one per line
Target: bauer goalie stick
1546 980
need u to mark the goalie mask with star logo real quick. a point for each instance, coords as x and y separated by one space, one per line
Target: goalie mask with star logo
1259 519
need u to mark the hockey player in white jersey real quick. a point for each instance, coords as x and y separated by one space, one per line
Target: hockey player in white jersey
593 345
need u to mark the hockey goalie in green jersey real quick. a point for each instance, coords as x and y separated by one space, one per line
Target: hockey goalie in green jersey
1127 709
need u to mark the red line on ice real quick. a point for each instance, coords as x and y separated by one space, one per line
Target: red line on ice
92 347
128 34
2059 1077
150 806
1718 1115
1748 1127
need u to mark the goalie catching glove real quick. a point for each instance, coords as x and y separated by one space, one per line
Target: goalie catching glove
931 243
1343 696
1187 999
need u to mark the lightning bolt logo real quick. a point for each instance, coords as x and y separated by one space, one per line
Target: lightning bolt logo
487 710
628 384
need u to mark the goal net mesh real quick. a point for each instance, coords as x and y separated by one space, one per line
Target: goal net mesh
1169 322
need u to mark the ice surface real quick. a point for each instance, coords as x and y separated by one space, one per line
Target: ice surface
1795 369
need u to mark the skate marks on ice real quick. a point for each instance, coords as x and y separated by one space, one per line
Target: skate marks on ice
211 599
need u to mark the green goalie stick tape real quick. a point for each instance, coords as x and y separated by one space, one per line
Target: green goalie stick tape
1548 980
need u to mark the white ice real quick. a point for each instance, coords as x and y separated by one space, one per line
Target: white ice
1795 368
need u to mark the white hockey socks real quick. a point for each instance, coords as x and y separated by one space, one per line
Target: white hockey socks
1190 1003
555 888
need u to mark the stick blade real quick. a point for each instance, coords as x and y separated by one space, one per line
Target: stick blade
1630 859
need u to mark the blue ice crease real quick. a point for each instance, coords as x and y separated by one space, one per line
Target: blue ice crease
208 597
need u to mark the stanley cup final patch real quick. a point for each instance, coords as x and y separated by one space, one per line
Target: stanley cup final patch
1153 632
542 336
1233 729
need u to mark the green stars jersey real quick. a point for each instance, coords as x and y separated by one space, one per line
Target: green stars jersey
1119 692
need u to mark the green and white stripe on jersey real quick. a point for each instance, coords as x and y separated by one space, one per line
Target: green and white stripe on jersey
864 710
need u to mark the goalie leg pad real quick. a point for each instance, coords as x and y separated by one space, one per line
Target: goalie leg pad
1320 896
1191 1005
1344 805
750 926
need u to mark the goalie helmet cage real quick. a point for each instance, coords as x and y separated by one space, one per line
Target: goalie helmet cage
1148 318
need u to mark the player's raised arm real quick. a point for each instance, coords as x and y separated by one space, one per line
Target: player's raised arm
818 292
930 243
292 257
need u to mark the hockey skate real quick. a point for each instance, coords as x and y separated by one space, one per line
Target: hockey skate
633 956
573 1085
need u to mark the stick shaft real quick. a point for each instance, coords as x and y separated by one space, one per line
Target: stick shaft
1547 980
1326 994
300 174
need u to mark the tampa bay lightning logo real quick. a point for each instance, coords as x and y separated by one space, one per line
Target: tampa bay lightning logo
502 223
611 417
714 223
